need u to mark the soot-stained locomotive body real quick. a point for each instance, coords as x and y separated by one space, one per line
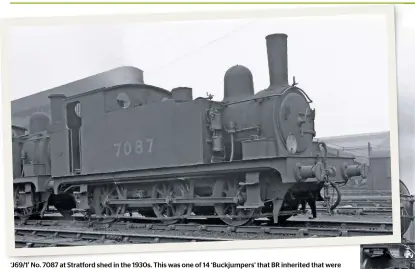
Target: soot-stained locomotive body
398 256
137 147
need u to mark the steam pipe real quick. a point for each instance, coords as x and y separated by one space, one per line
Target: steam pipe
232 148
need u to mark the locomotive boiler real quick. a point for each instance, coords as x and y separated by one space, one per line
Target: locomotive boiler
140 148
399 256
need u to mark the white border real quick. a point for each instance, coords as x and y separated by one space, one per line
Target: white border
386 10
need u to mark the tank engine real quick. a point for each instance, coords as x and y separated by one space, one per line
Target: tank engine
400 256
137 147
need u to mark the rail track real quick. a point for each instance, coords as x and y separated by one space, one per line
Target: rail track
363 203
48 237
366 192
56 231
352 207
205 224
361 210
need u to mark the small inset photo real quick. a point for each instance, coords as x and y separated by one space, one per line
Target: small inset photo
401 255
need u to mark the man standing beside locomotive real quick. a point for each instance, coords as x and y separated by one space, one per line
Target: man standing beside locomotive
312 203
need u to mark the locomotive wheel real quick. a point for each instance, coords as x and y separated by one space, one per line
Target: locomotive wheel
231 188
27 212
24 213
333 196
168 191
101 195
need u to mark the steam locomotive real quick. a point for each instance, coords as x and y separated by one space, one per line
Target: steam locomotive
140 148
397 256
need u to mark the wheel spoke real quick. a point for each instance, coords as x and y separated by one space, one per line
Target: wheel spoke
231 189
226 208
169 211
100 198
159 192
170 190
164 188
173 209
234 211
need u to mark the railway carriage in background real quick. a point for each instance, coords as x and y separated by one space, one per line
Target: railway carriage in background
137 147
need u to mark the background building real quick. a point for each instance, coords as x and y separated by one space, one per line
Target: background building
22 108
372 149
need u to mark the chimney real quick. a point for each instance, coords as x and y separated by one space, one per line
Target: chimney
277 60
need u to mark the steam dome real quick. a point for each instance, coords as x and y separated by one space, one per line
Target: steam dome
38 122
238 82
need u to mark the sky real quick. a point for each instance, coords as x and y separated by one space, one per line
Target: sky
341 63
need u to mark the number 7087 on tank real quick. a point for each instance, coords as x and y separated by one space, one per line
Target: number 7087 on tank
140 148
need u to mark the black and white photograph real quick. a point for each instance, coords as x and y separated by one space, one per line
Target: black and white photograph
401 255
273 130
